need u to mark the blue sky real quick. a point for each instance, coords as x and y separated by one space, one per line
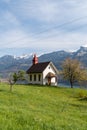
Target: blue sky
38 26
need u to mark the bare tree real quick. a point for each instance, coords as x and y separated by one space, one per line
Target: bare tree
73 71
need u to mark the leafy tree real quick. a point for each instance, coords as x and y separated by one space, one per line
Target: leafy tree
21 75
16 76
73 71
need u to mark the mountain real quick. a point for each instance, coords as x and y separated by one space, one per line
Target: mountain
10 63
56 57
81 55
59 56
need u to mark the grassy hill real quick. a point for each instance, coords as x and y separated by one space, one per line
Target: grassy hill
42 108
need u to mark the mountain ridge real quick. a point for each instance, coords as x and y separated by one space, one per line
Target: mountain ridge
9 63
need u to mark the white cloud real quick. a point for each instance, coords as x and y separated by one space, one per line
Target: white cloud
44 10
36 16
50 11
51 41
15 39
65 41
85 45
8 20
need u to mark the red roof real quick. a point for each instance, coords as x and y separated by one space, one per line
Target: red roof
38 68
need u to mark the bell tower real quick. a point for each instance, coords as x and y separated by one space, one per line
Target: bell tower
35 59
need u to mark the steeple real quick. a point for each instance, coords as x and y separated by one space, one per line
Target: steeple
35 59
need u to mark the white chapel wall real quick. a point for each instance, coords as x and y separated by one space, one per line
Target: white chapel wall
48 69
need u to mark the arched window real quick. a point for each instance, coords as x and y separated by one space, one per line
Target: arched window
30 77
39 77
34 77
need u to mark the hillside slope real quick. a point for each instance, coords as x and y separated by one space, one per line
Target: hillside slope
42 108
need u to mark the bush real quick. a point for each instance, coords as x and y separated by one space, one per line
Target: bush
81 94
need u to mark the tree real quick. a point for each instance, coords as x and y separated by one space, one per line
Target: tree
21 75
16 76
73 71
12 80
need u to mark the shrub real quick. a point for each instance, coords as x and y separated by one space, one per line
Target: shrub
81 94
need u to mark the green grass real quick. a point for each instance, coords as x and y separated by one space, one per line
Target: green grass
42 108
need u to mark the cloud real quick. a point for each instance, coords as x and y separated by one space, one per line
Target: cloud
43 14
44 10
85 45
50 41
66 41
43 24
8 21
50 10
13 38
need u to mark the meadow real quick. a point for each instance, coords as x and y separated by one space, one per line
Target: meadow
32 107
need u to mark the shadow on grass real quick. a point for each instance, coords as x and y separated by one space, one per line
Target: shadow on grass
80 107
2 90
83 99
38 85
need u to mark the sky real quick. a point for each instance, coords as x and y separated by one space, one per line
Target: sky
42 26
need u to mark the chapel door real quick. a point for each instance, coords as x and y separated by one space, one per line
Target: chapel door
49 81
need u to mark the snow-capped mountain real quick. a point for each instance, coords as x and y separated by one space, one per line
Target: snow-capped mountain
82 51
24 56
10 63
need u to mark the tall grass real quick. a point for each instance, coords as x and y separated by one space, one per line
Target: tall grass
42 108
